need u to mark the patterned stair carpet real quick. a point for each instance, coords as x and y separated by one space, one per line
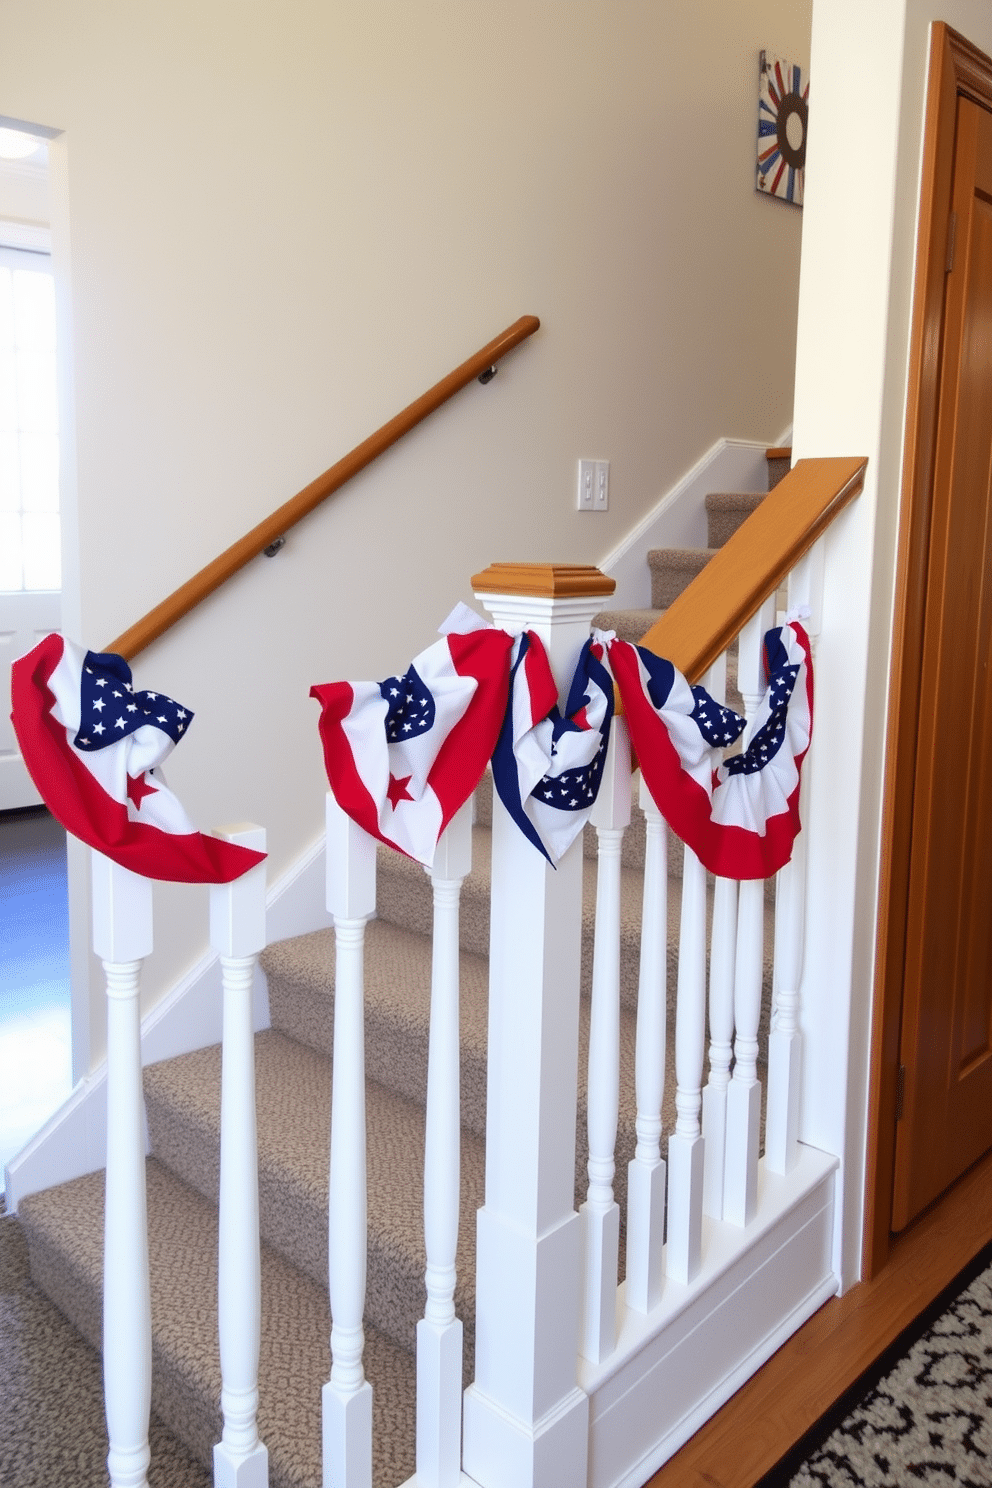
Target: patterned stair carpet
922 1413
52 1427
927 1421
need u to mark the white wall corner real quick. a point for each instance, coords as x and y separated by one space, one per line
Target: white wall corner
73 1141
678 518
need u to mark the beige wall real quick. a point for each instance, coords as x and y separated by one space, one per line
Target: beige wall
869 63
287 221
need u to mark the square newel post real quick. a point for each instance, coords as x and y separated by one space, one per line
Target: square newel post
526 1421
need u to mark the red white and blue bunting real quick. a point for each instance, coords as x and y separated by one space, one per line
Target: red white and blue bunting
546 766
740 815
403 755
94 747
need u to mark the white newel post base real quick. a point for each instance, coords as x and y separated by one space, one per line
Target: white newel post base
526 1422
347 1435
439 1402
122 937
507 1452
534 1432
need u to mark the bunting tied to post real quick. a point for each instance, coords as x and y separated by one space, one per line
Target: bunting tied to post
94 747
403 755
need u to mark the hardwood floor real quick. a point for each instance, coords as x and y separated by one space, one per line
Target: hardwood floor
810 1372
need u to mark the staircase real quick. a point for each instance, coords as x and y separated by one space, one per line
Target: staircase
64 1225
672 569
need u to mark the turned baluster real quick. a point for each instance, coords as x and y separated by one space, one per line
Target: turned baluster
122 937
439 1332
237 932
347 1396
647 1170
600 1212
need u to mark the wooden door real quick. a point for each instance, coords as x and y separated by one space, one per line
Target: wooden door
946 1035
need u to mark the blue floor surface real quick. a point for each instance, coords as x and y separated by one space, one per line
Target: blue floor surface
35 1027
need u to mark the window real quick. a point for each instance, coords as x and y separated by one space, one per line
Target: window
30 538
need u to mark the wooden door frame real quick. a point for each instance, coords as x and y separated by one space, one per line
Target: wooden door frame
956 68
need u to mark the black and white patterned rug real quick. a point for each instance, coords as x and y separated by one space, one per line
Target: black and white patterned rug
922 1414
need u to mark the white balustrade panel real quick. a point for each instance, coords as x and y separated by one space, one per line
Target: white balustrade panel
347 1396
122 937
439 1332
237 932
647 1171
600 1212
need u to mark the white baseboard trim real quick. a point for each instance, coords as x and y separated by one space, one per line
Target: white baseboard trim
675 1367
678 518
74 1139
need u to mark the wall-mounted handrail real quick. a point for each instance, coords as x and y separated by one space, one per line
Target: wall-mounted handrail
202 584
701 623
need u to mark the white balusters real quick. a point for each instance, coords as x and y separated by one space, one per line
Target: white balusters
439 1332
785 1041
685 1146
646 1172
122 937
600 1212
723 944
237 931
347 1396
740 1197
723 955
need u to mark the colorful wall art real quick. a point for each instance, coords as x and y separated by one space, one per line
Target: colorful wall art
783 115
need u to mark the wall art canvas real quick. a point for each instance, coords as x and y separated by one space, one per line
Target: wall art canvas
783 115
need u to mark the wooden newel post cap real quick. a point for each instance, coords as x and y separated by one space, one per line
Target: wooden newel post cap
548 580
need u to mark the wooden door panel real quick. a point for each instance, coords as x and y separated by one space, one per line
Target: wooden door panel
946 1045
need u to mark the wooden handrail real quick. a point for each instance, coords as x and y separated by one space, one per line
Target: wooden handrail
740 576
202 584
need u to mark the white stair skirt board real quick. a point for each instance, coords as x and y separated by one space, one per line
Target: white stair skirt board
675 1366
678 518
73 1141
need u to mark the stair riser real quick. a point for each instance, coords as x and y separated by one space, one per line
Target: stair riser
725 512
672 571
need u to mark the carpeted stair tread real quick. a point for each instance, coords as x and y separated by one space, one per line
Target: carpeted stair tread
64 1226
293 1102
300 974
52 1424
